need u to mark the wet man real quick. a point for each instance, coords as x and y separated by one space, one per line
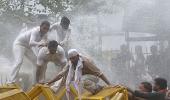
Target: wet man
26 44
63 32
52 53
78 65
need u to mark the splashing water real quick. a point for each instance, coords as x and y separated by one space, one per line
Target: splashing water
5 70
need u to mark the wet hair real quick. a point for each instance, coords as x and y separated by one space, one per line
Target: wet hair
65 20
52 44
161 82
45 23
147 86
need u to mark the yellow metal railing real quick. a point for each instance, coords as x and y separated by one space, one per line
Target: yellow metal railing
13 91
111 93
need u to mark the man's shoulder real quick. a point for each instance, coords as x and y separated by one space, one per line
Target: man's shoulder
43 51
35 30
56 25
60 49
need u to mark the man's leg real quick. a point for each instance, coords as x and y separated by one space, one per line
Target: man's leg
33 59
18 52
43 72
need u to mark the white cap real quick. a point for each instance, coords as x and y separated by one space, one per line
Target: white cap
72 53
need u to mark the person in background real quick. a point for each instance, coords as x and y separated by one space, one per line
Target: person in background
123 62
139 64
153 62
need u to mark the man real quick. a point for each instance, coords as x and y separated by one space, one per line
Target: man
123 63
82 66
160 88
145 87
139 64
153 62
63 32
26 44
52 53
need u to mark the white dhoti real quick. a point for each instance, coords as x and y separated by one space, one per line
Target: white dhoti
57 85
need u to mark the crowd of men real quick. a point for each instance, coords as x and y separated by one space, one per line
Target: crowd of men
156 64
35 45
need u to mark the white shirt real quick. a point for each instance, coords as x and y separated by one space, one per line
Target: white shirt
44 57
29 36
62 34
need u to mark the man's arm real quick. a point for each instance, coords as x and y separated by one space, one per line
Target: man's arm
103 77
53 27
146 95
59 76
38 73
32 41
66 37
40 64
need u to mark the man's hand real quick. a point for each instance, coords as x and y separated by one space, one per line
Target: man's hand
41 83
62 43
42 44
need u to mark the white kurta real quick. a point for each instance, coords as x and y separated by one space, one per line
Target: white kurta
22 47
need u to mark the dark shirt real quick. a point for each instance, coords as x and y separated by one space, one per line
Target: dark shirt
150 95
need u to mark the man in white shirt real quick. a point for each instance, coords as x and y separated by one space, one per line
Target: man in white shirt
52 53
63 32
26 44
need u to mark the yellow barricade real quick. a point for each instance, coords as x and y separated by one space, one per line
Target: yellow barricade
12 91
15 94
107 93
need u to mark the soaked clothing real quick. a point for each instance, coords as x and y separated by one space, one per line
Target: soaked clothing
26 44
63 36
44 57
30 37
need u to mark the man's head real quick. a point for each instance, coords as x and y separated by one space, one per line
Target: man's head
65 22
73 56
154 49
138 49
124 48
44 27
159 84
145 87
52 46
